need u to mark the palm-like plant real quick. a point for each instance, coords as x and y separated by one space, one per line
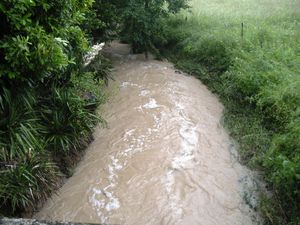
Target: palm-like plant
30 180
66 120
26 172
19 126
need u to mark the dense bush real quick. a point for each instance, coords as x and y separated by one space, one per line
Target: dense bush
66 120
142 25
40 40
33 178
48 96
27 172
101 68
103 20
256 73
45 114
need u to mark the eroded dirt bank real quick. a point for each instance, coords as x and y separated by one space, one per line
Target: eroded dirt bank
165 158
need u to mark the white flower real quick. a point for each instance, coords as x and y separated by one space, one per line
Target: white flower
61 41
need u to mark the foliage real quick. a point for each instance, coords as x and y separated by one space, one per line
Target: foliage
41 40
18 122
142 25
86 84
103 20
283 163
44 112
27 173
32 179
66 120
101 68
255 70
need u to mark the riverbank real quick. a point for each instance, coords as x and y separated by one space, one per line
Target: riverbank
247 54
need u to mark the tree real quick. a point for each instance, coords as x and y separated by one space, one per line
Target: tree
103 20
142 22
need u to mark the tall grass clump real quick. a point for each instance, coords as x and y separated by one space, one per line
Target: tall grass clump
248 53
27 171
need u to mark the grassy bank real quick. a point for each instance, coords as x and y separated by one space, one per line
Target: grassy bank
248 52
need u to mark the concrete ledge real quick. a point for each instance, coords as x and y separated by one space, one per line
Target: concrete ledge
21 221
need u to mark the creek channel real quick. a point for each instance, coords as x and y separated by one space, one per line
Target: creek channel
164 158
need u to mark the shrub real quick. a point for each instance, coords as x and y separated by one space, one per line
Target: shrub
43 114
66 120
283 163
210 52
142 25
19 128
101 68
26 172
103 20
40 40
33 178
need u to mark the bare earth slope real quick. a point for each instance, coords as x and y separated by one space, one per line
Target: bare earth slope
165 158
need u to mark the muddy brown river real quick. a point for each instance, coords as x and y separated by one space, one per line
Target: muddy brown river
164 158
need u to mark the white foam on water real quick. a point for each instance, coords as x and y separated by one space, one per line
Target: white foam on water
97 202
113 202
144 93
126 84
139 108
152 104
189 140
169 181
94 198
188 145
184 158
173 200
104 198
157 121
114 166
128 134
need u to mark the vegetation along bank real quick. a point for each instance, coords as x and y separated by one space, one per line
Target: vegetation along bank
248 53
48 96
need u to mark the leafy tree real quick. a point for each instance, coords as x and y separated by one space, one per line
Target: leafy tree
142 25
103 20
41 40
42 117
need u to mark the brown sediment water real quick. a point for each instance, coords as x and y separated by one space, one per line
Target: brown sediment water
164 158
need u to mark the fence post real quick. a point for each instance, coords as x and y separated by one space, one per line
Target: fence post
242 31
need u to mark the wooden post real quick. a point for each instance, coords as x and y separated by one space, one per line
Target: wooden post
242 31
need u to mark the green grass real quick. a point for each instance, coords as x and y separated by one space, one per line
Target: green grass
248 52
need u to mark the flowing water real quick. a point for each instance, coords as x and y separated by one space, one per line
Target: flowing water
164 159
